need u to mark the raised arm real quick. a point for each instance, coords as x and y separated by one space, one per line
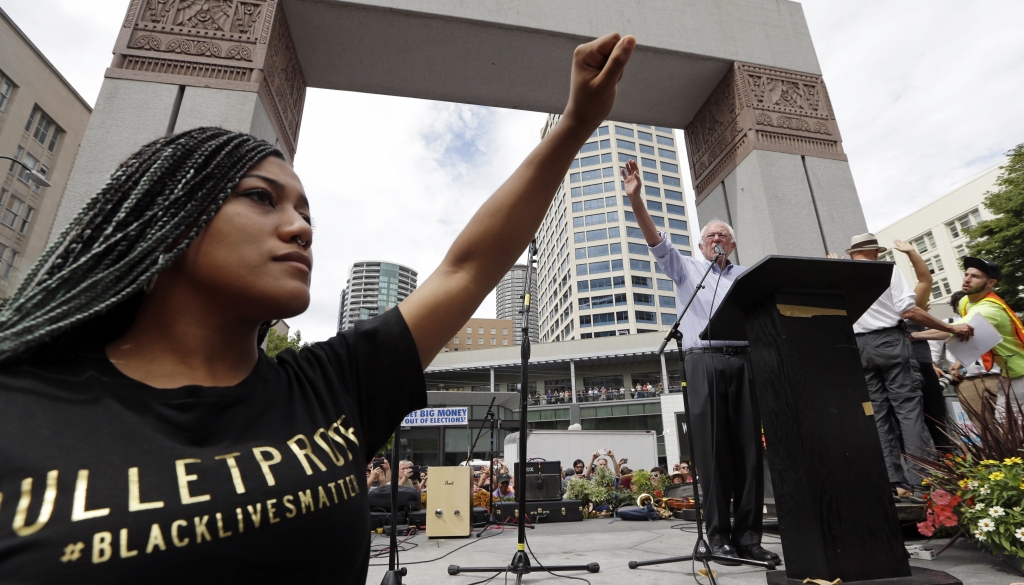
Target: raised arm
924 276
504 225
631 176
615 460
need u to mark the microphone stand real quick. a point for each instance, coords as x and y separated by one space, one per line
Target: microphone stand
520 564
394 574
701 549
491 518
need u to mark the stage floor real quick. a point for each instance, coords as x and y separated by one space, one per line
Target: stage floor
614 544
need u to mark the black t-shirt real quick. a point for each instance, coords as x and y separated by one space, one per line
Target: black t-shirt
107 480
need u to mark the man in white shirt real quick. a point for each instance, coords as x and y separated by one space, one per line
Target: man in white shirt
726 423
894 383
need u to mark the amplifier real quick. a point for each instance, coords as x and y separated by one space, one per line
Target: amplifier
543 467
543 481
449 510
540 512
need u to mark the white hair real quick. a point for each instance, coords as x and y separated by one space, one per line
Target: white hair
728 228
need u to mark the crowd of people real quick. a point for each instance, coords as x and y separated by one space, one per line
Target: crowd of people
378 474
602 393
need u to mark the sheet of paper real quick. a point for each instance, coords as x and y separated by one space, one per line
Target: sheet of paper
985 338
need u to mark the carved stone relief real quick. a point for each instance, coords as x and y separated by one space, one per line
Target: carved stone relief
284 84
241 45
757 108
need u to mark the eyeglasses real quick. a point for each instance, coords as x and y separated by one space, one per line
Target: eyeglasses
710 236
684 467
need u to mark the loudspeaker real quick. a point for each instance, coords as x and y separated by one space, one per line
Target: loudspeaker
543 481
449 510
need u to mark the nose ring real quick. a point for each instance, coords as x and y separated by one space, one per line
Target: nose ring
301 243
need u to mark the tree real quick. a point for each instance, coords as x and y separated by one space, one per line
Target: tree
1001 239
276 343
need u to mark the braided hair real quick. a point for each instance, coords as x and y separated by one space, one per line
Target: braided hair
93 278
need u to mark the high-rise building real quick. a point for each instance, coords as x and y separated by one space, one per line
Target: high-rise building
42 122
508 300
597 277
937 232
481 334
372 288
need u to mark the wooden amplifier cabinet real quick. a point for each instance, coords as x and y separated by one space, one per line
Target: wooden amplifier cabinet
449 509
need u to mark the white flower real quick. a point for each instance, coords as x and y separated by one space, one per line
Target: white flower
1019 533
986 525
979 534
984 489
979 507
996 511
972 484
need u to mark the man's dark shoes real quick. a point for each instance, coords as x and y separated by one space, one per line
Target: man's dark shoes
725 550
756 552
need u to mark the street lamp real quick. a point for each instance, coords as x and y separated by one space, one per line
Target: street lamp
33 175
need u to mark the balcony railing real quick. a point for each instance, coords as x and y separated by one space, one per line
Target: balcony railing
608 395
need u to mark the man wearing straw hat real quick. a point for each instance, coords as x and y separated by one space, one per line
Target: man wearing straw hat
894 383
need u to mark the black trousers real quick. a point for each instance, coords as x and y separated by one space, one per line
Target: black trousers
726 440
934 407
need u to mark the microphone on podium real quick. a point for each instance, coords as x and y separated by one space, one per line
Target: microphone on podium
719 249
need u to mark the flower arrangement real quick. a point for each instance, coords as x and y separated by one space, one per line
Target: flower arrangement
482 499
980 487
988 504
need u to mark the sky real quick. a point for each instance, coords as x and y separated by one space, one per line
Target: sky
927 94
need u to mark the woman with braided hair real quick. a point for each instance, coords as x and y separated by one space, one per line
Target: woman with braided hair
143 435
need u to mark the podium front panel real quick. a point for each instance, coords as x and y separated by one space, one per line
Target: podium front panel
836 513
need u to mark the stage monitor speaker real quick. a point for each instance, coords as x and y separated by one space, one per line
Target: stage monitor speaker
449 510
543 481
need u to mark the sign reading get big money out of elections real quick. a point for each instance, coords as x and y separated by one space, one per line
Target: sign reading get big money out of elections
433 417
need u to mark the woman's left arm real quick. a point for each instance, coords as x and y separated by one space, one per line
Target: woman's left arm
504 225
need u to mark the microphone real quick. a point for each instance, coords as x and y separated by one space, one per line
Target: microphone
719 249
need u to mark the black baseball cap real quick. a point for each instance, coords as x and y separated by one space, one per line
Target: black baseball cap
989 268
503 478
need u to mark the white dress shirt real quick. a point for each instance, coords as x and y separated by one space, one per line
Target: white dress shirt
686 272
888 308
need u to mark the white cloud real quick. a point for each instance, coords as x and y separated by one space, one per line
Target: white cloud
397 179
926 94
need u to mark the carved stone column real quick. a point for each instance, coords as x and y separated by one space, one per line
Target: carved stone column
179 64
220 44
800 201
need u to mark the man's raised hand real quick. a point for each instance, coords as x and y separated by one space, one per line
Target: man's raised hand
631 177
597 67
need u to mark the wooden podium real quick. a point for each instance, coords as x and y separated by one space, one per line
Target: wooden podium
832 493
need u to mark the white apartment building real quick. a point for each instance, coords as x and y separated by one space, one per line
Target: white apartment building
596 275
508 301
937 231
372 288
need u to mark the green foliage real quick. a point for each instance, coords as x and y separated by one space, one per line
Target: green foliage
1001 239
642 483
585 490
604 477
276 343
